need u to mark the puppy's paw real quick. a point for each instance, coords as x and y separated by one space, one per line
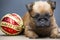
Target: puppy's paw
32 36
53 36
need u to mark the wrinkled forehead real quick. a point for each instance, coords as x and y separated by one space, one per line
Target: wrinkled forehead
41 6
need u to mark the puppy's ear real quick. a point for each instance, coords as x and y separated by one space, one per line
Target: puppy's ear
53 4
29 6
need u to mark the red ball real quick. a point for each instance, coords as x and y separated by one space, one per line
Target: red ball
12 24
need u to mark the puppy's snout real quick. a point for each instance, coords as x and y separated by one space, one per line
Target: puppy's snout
42 20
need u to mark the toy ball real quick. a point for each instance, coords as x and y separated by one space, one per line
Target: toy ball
11 24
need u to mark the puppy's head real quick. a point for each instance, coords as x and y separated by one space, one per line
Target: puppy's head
41 12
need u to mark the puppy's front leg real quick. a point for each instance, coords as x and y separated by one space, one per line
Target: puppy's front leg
31 34
54 33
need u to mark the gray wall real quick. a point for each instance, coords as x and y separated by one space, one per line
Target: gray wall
18 6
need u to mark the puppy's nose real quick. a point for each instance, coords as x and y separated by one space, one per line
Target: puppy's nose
42 20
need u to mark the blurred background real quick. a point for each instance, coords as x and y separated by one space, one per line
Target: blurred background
18 6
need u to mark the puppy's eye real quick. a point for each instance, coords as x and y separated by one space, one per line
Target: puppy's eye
36 16
47 15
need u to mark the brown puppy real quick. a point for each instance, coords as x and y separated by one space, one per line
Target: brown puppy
39 21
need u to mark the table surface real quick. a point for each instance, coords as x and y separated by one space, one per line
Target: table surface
20 37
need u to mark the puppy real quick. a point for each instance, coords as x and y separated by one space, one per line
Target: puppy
39 21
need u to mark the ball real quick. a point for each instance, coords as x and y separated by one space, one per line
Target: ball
11 24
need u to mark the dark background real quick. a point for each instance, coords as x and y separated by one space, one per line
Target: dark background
18 6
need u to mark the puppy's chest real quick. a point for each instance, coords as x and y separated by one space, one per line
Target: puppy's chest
43 31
